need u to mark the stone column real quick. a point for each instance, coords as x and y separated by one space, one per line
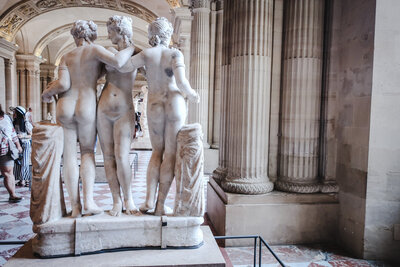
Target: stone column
301 96
247 95
199 63
21 73
46 76
182 19
43 83
7 51
2 82
217 83
30 85
10 73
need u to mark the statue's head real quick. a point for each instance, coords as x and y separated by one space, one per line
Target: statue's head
120 27
160 32
83 29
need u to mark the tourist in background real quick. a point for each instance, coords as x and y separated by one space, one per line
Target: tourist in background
7 132
24 131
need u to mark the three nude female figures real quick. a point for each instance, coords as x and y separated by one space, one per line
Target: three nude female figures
76 111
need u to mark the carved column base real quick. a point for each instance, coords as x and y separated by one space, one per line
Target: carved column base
246 186
330 187
219 174
303 188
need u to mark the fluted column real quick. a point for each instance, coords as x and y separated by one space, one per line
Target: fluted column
217 81
7 51
247 95
29 66
10 75
182 19
43 85
199 63
21 73
301 96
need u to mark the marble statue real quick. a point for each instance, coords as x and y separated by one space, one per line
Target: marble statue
189 198
115 120
177 148
47 197
76 109
166 108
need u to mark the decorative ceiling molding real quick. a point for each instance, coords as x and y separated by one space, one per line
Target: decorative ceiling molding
16 16
174 3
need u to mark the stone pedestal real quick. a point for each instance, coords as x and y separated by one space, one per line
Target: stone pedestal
76 236
206 255
280 218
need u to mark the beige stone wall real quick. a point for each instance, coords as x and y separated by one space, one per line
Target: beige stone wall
382 210
355 55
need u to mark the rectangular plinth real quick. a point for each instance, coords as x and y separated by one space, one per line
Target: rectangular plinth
206 255
76 236
280 218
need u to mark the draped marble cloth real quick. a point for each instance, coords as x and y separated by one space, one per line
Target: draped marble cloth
189 199
47 197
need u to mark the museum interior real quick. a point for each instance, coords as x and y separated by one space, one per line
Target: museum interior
298 108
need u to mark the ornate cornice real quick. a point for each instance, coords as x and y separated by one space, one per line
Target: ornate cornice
199 4
16 16
174 3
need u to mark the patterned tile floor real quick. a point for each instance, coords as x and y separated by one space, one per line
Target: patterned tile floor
15 225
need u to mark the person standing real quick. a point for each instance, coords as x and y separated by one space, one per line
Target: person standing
28 115
24 131
7 131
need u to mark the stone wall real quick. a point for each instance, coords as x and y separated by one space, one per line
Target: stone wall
382 211
355 54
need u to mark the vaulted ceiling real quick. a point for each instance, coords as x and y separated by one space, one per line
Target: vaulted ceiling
41 27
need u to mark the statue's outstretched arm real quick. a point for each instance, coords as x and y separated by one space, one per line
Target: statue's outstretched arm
62 84
137 61
178 68
115 60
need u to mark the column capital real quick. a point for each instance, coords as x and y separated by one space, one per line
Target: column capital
7 49
195 4
29 61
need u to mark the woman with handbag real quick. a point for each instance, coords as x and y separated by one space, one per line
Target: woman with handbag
24 132
8 138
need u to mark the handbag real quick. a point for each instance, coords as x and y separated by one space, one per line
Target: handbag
12 148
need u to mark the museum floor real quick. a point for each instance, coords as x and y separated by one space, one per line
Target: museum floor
15 225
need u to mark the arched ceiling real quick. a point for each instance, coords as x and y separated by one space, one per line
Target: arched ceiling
44 25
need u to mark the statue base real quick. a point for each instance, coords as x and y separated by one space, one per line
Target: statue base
103 232
206 255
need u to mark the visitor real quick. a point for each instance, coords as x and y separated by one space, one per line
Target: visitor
28 116
7 132
24 131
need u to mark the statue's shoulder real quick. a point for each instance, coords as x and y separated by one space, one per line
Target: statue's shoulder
175 53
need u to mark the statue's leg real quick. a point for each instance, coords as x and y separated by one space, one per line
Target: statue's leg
123 138
156 122
87 138
176 115
70 169
105 131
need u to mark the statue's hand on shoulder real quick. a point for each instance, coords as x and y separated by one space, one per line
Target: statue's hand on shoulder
193 96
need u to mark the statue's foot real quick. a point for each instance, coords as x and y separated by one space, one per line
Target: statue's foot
76 211
117 209
130 208
145 207
92 209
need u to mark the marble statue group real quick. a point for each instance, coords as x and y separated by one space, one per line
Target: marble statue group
113 121
177 149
